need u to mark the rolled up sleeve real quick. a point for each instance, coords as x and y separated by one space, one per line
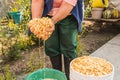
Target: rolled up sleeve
72 2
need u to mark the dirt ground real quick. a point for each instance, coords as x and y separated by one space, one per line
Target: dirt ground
98 34
94 38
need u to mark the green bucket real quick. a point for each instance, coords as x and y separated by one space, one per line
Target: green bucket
16 16
46 74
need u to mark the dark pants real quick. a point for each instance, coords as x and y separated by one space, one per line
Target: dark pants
62 41
57 64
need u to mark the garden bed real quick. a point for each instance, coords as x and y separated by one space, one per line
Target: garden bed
33 58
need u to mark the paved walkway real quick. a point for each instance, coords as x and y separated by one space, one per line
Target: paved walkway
111 52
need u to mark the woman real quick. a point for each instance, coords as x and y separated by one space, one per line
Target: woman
67 16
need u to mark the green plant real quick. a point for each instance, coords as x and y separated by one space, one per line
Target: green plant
84 31
13 40
87 11
86 2
7 74
31 63
22 6
35 64
39 52
36 40
13 37
2 78
16 5
80 47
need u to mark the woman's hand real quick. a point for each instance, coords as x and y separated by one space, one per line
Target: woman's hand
42 27
63 11
34 25
52 27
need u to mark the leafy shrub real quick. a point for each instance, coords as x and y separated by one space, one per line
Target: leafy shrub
13 37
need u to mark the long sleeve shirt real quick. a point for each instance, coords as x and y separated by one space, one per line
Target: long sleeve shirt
77 12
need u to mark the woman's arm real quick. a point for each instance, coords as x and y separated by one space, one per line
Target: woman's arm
37 8
63 12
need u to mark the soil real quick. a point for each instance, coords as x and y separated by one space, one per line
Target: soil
93 39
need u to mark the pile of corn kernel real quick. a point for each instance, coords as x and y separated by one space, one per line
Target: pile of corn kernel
39 27
92 66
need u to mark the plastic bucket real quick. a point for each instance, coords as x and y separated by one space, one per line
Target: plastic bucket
46 74
74 75
97 13
16 16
